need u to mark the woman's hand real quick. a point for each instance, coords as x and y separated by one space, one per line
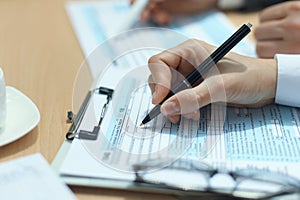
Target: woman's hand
236 79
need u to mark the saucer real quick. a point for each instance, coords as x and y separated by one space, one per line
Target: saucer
22 116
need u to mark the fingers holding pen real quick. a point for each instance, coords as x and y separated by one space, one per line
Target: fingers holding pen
162 70
168 69
183 59
188 102
159 90
185 103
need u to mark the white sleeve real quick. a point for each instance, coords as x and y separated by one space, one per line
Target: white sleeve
288 80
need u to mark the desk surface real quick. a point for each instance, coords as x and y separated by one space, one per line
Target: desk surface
40 56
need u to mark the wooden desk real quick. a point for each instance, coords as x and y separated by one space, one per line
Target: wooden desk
40 56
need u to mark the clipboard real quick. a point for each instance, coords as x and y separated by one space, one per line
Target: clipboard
112 183
74 131
107 92
120 184
86 181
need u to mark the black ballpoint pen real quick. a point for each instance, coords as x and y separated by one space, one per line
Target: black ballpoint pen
196 74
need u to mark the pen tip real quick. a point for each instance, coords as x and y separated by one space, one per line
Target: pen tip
142 124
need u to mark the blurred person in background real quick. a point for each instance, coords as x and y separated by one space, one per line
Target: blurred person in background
277 32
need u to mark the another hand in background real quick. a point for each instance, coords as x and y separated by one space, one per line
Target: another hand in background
242 80
279 30
162 11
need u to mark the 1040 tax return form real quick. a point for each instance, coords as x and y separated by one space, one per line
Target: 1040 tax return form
226 138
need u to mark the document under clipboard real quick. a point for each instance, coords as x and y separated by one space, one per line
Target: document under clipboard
118 109
271 123
107 94
114 183
87 181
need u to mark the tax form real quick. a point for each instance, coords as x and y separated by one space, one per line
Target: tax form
228 138
121 142
225 137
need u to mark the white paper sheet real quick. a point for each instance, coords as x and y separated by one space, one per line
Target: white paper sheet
31 178
265 138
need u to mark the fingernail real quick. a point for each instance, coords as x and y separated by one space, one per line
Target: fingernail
170 108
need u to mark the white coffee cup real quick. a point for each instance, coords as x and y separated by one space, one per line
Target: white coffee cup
2 100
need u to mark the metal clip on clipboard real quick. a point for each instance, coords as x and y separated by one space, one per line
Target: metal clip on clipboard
77 119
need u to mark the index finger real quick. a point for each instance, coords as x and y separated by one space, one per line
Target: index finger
174 64
159 66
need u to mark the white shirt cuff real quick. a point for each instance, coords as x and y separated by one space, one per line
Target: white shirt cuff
288 80
230 4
